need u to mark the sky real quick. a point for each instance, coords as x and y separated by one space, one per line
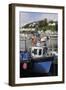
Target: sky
28 17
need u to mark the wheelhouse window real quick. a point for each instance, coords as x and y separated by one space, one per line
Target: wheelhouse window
40 51
35 51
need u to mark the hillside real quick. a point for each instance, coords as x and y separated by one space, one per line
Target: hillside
43 25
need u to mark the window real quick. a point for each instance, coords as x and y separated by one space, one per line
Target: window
40 51
35 51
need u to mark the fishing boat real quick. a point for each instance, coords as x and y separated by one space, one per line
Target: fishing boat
35 56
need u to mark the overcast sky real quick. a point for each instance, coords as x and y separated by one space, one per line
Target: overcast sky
28 17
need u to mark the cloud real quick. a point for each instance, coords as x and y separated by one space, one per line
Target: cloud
24 18
27 17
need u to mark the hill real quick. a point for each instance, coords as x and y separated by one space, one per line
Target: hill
43 25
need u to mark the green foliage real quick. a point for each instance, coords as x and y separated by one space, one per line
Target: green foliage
43 25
